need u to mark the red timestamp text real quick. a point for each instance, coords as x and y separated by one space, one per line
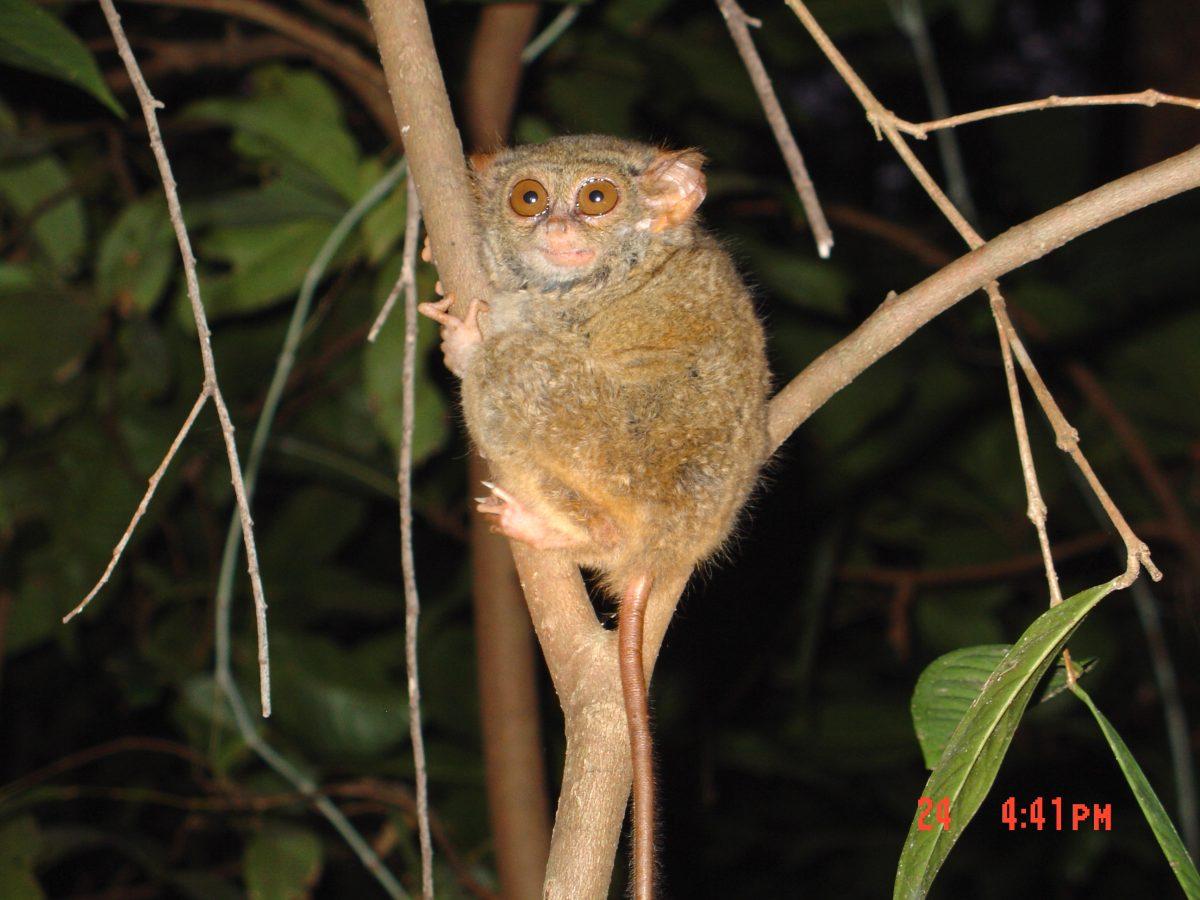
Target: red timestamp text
939 810
1056 814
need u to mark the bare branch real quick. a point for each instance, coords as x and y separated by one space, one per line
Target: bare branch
1068 441
507 659
901 315
551 33
738 23
1148 97
412 603
1138 553
211 386
998 570
1036 510
144 504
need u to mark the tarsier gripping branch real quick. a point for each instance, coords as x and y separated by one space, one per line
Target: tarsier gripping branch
615 379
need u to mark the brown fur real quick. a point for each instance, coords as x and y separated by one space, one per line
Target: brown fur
630 407
622 401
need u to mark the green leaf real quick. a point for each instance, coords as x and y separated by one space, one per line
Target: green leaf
267 264
1152 808
16 276
32 39
973 754
294 115
43 340
284 199
282 863
946 690
136 257
41 188
1057 682
807 283
950 683
339 703
19 843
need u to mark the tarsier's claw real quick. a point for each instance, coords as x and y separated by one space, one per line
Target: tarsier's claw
516 521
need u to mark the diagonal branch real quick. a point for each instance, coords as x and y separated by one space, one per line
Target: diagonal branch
901 315
1148 97
155 478
211 386
580 654
739 29
1138 554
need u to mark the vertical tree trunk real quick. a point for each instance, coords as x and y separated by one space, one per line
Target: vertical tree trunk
514 763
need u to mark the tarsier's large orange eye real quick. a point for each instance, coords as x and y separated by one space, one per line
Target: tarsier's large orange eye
597 197
528 198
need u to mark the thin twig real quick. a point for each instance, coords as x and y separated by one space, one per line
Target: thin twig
1067 438
306 786
1036 509
549 34
1148 97
223 663
1141 457
211 386
412 603
999 570
911 18
738 23
883 121
151 487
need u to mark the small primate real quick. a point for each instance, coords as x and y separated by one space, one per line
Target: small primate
615 379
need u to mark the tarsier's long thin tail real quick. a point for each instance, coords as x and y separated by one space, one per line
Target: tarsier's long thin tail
637 713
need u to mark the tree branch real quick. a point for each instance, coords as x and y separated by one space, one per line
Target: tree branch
211 385
739 29
901 315
1148 97
580 654
506 660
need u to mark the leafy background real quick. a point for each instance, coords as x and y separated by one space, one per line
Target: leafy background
787 755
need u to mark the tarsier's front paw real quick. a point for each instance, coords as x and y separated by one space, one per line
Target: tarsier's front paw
460 337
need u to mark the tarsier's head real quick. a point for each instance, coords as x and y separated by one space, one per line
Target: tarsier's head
580 211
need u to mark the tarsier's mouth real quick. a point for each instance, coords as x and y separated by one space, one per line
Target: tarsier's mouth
569 257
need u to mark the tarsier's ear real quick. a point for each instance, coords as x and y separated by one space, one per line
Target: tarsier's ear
674 185
479 163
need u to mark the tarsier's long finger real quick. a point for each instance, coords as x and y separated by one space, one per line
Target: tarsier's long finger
427 251
489 506
438 312
438 289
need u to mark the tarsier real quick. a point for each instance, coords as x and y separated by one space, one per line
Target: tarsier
615 379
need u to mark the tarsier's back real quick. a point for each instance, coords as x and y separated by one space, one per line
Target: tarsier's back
621 386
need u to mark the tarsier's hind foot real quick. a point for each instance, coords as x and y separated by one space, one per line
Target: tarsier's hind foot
515 520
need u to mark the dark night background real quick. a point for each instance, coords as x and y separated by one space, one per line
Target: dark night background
786 751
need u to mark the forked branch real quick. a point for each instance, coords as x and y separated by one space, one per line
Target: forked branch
580 654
